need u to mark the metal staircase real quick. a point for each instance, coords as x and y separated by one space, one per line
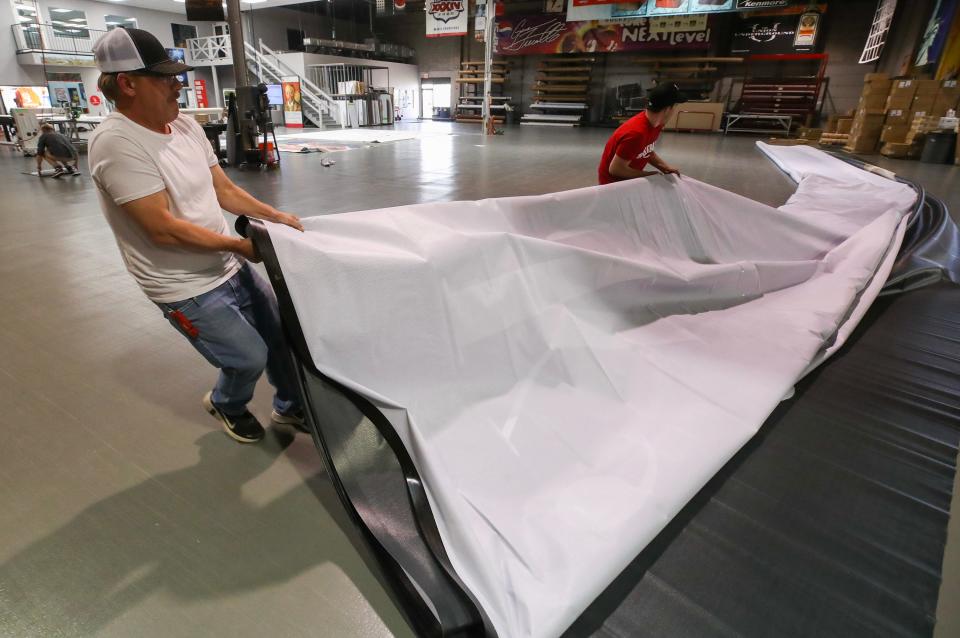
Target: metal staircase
318 107
266 66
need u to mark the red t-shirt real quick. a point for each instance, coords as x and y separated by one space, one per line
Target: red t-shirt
633 141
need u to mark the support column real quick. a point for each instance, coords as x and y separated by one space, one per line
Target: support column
235 20
490 16
218 99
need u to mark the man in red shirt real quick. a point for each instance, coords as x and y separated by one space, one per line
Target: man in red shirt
630 148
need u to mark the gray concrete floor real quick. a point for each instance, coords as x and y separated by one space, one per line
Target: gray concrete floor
125 511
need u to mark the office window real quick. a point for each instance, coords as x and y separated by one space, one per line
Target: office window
69 23
113 22
28 30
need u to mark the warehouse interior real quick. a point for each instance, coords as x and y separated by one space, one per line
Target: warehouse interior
129 512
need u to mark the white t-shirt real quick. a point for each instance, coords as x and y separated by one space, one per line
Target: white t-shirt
128 162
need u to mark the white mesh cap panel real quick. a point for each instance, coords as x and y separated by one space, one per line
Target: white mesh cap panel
116 52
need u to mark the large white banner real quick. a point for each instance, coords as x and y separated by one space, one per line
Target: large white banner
568 370
446 17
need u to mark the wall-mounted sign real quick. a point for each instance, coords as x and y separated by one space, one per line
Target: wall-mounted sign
774 34
761 4
551 34
679 23
95 100
200 91
806 36
446 18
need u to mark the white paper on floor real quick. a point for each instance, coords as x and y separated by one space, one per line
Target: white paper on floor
568 370
357 135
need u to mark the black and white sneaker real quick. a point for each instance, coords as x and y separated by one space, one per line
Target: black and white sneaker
294 419
244 428
58 173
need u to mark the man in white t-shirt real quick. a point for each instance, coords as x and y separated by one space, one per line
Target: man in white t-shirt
162 191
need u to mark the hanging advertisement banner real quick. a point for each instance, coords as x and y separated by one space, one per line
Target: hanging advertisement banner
587 3
446 18
522 35
935 35
949 65
292 111
480 21
771 34
676 7
607 10
200 91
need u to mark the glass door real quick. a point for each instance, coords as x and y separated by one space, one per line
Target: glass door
426 102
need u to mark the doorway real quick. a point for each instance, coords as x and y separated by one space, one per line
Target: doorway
435 99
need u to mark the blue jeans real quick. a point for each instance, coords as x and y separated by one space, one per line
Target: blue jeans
236 327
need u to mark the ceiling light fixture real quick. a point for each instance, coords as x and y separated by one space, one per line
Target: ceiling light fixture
61 10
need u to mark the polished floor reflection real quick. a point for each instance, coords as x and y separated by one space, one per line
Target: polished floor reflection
125 511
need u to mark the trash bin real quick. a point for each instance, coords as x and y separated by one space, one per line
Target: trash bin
441 112
939 147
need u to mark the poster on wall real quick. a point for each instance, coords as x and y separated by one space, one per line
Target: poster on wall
772 34
935 35
524 35
179 55
446 18
292 111
71 93
24 97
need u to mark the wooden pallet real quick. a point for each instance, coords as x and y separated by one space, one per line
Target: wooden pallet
561 89
561 69
480 80
559 98
561 84
564 59
564 78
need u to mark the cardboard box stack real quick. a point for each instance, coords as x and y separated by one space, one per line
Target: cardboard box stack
837 132
947 98
866 127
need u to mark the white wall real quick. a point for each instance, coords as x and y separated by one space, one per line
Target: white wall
10 71
156 22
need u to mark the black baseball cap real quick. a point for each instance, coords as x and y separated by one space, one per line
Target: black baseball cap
664 95
134 50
